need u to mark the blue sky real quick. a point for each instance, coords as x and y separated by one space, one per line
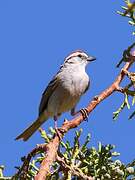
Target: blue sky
35 36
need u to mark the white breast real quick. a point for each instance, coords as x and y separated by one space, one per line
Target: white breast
73 83
75 80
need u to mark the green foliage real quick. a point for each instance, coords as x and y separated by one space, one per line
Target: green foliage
128 94
129 12
81 161
1 174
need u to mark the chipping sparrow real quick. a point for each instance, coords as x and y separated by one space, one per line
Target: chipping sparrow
63 92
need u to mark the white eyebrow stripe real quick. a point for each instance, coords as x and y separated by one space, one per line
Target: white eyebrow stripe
74 54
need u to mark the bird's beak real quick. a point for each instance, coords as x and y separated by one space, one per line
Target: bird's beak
91 58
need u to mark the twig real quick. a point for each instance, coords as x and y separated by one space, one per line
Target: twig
22 173
74 170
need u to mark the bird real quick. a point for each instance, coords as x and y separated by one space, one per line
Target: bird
63 92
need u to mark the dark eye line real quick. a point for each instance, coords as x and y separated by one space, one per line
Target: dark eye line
80 55
69 58
68 61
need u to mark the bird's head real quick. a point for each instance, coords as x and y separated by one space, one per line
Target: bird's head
78 57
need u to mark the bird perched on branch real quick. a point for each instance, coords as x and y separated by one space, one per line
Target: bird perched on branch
63 92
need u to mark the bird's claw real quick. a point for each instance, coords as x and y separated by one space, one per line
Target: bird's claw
85 113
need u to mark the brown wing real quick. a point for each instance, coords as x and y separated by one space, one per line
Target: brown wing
47 93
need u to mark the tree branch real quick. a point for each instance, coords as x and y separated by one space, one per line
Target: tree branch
52 147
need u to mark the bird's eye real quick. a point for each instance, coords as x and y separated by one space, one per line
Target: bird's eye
80 55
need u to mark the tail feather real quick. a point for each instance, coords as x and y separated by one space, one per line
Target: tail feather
27 133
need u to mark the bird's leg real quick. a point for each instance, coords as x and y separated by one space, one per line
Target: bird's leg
55 122
56 127
83 111
73 112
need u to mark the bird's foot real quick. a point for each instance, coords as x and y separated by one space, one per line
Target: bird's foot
85 113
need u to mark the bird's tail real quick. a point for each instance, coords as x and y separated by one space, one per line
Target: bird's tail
27 133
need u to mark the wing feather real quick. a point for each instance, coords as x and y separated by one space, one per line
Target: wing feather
47 93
